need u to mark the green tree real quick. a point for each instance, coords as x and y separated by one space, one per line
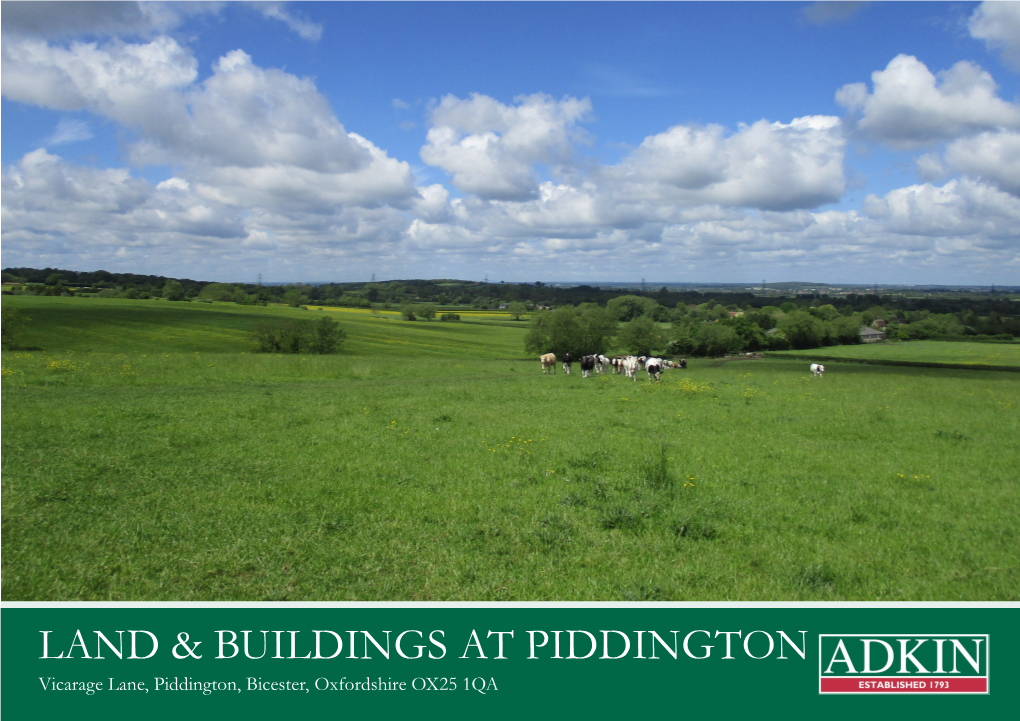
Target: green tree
751 335
628 307
557 331
827 312
293 298
12 327
934 325
598 329
715 339
762 320
217 291
641 336
844 331
684 341
570 330
327 336
408 312
777 340
283 336
173 290
802 329
427 311
517 310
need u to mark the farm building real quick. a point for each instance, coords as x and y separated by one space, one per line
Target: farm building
870 335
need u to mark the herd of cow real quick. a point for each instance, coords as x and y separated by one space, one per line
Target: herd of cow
623 365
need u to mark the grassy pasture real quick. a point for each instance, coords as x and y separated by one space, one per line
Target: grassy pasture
107 325
924 351
157 472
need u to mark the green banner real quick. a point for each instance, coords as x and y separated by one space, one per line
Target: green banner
510 661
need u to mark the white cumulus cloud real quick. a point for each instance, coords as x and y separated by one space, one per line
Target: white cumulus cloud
766 165
998 24
490 148
910 107
993 157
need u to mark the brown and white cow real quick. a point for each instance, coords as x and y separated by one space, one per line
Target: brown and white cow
548 361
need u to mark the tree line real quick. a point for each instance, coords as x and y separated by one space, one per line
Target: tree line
634 325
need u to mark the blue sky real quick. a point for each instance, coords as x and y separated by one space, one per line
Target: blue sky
717 142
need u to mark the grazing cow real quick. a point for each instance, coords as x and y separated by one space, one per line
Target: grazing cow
548 362
654 368
568 358
587 365
630 367
817 368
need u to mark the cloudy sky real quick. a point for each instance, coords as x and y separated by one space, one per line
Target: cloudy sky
713 142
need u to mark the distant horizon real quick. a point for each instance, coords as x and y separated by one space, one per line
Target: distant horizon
650 285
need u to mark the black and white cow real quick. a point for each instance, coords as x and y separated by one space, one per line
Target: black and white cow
817 369
587 366
568 358
654 368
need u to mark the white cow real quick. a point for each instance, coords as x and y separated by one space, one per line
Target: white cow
600 363
548 361
630 367
817 368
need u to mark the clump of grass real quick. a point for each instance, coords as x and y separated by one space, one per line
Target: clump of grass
620 518
816 577
952 436
646 593
595 459
554 532
337 525
655 470
694 528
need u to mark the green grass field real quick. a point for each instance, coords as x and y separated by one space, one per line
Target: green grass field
923 351
149 455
